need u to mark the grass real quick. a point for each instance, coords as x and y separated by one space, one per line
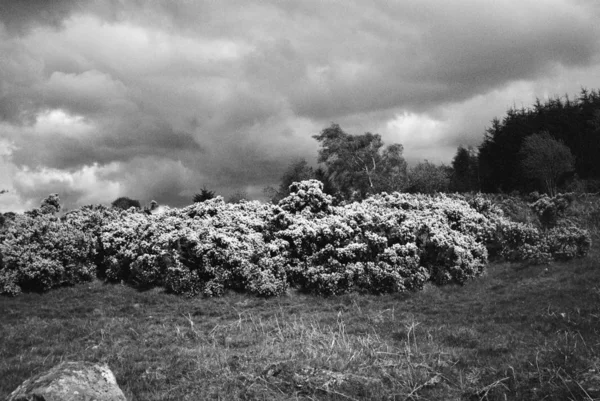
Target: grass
518 333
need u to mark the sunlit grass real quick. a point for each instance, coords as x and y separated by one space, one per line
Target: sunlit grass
519 332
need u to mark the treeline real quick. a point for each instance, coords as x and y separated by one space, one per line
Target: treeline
549 147
573 123
354 167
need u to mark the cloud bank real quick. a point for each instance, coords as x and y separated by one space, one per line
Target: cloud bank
154 100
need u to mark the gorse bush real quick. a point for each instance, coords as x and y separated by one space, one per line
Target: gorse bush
555 236
204 248
386 243
306 195
550 209
39 251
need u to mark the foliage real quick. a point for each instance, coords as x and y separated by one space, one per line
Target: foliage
125 203
51 204
306 195
358 165
465 170
41 252
203 195
206 248
546 159
428 178
386 243
550 209
297 170
555 239
576 123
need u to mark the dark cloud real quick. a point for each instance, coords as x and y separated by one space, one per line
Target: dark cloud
156 99
49 146
19 16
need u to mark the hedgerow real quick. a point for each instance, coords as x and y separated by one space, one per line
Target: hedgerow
386 243
39 251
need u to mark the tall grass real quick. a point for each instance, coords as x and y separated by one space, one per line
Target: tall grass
516 333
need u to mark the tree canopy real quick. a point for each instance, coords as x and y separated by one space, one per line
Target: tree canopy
203 195
465 170
428 178
546 159
574 122
125 203
359 165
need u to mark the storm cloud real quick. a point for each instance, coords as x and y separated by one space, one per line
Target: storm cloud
154 100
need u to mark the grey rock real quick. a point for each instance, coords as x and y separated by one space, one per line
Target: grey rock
70 381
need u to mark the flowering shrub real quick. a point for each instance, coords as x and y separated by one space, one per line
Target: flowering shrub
131 250
42 252
567 242
386 243
306 195
206 248
550 209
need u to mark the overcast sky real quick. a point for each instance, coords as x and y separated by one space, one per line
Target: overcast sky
156 99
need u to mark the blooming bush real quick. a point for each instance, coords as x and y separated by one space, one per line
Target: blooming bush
42 252
386 243
307 195
567 242
550 209
206 248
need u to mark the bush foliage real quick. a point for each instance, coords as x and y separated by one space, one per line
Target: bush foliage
386 243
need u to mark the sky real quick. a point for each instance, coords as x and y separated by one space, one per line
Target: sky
156 99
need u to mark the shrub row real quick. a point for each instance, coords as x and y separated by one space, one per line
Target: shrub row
387 243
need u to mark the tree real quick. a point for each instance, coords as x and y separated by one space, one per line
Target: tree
546 159
203 195
393 174
465 170
328 187
298 170
575 122
356 164
237 196
428 178
125 203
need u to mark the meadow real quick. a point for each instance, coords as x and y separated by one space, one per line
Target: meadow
367 320
517 333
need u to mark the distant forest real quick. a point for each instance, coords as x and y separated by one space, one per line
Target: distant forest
551 147
575 123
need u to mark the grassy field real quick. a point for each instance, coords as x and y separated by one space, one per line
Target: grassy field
518 333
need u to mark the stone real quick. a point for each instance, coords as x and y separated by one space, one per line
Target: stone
71 381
